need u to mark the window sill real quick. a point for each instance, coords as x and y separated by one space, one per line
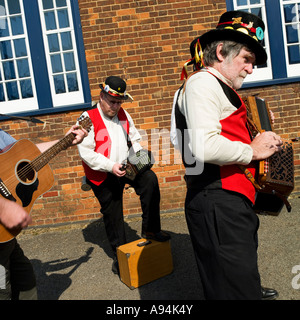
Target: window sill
48 111
272 82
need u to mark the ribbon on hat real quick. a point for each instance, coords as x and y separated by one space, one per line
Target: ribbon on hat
199 55
197 60
184 72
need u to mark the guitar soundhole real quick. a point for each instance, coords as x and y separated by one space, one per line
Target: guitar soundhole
25 172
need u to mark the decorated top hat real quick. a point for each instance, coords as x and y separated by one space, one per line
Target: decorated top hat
115 87
238 26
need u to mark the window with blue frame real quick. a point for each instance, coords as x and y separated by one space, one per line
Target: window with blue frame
281 41
42 61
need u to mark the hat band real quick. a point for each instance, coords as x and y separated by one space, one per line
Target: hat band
258 32
114 93
253 30
108 89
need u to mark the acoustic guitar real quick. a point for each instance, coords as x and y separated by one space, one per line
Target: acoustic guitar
25 173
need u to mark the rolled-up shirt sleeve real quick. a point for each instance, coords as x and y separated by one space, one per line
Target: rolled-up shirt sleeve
5 140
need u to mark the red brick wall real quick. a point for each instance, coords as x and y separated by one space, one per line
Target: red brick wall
146 43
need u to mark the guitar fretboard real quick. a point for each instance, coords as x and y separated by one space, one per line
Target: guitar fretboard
46 156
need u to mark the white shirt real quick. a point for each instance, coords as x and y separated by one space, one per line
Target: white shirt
173 130
119 148
204 104
5 139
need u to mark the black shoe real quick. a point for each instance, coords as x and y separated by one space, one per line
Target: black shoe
160 236
268 294
115 266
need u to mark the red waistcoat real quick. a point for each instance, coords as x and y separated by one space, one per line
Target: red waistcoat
103 142
235 128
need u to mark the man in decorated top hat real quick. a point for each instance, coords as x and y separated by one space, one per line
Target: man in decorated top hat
104 154
219 200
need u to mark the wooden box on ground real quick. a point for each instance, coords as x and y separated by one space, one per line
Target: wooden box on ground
143 261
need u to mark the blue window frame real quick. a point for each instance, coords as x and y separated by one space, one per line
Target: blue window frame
42 58
282 40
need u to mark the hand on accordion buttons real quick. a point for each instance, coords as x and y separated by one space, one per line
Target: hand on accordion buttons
265 144
118 170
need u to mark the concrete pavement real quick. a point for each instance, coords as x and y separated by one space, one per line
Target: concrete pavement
73 262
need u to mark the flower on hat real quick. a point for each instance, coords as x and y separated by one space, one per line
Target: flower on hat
106 88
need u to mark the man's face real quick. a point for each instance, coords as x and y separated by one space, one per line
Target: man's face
236 69
109 105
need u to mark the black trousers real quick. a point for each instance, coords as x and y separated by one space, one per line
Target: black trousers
223 229
17 279
110 197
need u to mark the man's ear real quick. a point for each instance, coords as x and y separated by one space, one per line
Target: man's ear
219 52
101 95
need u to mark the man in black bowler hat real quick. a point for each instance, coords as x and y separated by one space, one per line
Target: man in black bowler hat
219 201
104 153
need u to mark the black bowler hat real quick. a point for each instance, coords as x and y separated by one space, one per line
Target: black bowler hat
115 87
238 26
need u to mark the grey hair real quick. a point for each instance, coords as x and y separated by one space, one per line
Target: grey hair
230 49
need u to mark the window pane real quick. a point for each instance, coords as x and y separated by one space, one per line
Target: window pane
241 2
20 48
66 41
16 25
14 6
2 8
53 43
69 61
257 12
50 20
72 82
6 51
23 68
47 4
255 1
9 70
59 84
61 3
2 96
26 89
289 12
4 32
56 63
292 34
12 90
63 18
294 54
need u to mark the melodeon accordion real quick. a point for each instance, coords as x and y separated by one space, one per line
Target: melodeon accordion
275 175
137 163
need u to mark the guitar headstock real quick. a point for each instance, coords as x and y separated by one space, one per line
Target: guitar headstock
85 122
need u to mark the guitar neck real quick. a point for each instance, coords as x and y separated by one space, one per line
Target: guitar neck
40 161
